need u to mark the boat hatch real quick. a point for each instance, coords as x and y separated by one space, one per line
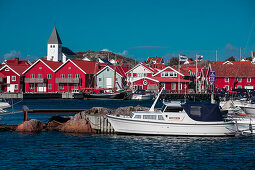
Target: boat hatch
171 109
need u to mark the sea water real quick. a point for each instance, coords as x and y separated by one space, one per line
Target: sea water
56 150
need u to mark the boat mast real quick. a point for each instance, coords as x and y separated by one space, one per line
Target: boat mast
114 79
155 101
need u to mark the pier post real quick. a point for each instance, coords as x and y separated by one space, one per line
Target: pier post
25 115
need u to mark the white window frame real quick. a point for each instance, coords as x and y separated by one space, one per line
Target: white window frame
61 86
31 86
239 86
99 79
180 86
40 76
7 69
226 79
62 76
32 76
77 76
239 79
173 87
48 76
50 86
16 86
227 87
75 86
13 78
70 76
248 79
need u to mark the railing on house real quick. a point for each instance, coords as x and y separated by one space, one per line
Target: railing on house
68 80
35 80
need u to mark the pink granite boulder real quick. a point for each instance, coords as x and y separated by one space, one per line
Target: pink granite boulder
31 125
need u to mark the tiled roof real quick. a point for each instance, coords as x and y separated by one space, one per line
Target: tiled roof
234 62
19 68
157 59
158 66
192 69
52 64
170 79
231 70
17 62
86 66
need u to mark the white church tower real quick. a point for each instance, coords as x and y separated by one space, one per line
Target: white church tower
54 50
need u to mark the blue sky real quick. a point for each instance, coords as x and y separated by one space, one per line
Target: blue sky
134 28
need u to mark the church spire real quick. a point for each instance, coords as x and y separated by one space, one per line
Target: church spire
54 38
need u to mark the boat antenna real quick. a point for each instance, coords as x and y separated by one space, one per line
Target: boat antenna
155 101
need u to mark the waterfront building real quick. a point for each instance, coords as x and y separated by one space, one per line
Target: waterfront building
105 77
40 76
233 76
155 60
13 79
74 75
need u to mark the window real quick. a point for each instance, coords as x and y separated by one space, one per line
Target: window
13 78
227 87
196 111
39 76
108 69
40 68
7 69
160 117
70 76
32 76
239 86
75 86
116 79
77 76
173 85
226 79
50 46
48 76
248 79
149 117
166 74
16 87
180 86
62 76
239 79
145 74
69 68
49 86
31 86
99 79
53 46
61 86
137 117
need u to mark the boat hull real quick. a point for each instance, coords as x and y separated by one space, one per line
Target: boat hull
248 110
130 126
105 96
142 97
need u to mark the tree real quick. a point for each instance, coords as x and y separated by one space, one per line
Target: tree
249 58
232 58
173 61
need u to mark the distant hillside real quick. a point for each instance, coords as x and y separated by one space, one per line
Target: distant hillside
93 55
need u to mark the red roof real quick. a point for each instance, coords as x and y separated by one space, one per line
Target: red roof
149 68
52 64
192 69
157 60
170 79
87 66
234 62
19 68
231 70
16 61
158 66
121 70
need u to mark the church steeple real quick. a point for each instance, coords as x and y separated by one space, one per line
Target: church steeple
54 51
54 38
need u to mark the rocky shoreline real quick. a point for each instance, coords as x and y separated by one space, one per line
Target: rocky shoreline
70 124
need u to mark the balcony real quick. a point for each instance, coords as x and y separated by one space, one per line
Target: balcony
35 80
68 80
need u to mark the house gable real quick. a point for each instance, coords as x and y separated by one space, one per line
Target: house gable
167 69
140 68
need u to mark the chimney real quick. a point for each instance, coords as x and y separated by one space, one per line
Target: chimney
16 60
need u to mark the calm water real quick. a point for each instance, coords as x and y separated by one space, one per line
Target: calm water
51 150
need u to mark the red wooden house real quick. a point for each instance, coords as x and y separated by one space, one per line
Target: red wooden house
74 75
40 76
232 76
14 81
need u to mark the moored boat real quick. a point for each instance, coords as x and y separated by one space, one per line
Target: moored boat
142 95
189 119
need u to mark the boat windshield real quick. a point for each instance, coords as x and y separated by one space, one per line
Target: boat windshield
171 109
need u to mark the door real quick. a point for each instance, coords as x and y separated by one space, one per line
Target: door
10 88
108 82
41 87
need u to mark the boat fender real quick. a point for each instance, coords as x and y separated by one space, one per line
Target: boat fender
241 114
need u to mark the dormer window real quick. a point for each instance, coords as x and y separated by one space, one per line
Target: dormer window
7 69
40 68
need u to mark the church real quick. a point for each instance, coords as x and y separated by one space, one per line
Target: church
55 51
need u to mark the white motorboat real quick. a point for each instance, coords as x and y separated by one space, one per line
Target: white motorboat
189 119
249 108
142 95
4 105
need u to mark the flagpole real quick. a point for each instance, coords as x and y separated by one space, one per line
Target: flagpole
196 73
216 55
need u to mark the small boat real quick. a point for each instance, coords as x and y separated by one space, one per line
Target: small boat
104 96
142 95
249 108
4 105
189 119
